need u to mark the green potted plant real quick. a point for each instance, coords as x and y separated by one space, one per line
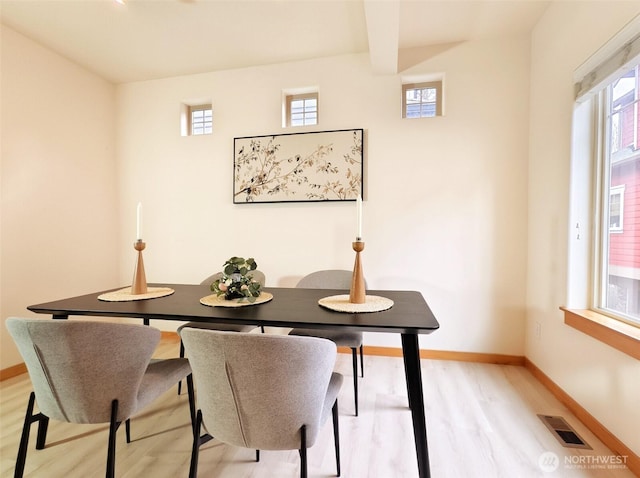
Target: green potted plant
237 281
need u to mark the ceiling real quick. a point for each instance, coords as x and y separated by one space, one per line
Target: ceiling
143 39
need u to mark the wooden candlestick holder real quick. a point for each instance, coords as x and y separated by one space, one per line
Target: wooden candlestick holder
358 293
139 284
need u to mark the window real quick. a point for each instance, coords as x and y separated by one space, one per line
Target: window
422 100
618 270
616 208
603 298
200 120
302 109
300 106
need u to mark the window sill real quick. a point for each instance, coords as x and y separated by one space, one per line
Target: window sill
616 334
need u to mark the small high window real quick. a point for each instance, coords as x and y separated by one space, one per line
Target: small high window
422 100
200 120
302 109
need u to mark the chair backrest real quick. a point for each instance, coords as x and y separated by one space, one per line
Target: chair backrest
257 276
78 368
327 279
257 390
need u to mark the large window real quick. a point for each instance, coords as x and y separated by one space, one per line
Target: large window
603 288
618 268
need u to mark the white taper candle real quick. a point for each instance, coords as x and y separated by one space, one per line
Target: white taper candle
139 222
359 216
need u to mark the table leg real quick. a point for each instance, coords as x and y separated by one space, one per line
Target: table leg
411 354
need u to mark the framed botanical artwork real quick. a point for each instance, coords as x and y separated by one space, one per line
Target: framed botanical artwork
297 167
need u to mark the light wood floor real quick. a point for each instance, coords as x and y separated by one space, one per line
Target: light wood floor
481 422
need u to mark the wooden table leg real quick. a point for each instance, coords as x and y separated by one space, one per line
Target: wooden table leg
411 354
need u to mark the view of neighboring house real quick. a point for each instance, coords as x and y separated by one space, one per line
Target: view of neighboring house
624 197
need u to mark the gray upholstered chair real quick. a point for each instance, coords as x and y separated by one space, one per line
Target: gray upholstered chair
335 279
262 391
91 372
258 276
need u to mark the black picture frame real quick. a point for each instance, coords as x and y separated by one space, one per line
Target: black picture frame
299 167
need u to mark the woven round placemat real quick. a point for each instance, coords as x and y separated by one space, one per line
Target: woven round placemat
124 295
214 300
340 303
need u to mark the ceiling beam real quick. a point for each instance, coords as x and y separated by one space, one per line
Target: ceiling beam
383 31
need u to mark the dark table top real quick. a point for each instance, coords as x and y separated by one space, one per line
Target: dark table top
290 307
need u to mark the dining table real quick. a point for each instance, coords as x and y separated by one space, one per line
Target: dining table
409 315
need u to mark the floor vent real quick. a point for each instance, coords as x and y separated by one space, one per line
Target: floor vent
563 432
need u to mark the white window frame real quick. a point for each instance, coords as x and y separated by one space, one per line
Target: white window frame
207 126
310 116
432 85
589 203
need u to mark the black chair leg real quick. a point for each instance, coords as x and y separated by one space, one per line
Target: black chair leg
181 356
111 451
362 360
127 429
257 455
303 452
336 435
43 424
198 441
192 400
195 449
354 356
24 439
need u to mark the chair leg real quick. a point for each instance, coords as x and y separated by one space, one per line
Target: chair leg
198 441
24 440
43 426
111 451
336 435
127 429
354 355
195 449
192 400
181 356
362 360
303 452
29 418
257 455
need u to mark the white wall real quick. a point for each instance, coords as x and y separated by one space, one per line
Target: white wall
445 202
601 379
59 222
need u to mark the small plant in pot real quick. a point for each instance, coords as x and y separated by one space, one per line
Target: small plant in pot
237 281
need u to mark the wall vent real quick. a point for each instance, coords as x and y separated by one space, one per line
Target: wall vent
564 432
